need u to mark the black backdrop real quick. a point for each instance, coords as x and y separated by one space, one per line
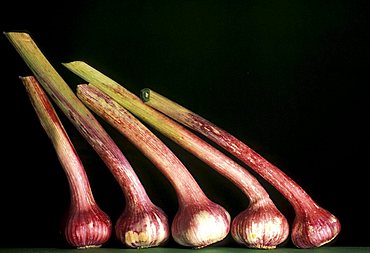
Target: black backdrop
289 78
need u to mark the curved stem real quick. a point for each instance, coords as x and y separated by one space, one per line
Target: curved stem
150 145
179 134
291 190
80 190
80 116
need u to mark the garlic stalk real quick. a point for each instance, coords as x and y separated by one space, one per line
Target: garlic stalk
86 225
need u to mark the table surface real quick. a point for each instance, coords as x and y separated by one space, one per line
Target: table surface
204 250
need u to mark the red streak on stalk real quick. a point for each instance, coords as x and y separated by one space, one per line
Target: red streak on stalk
188 189
81 117
204 151
102 143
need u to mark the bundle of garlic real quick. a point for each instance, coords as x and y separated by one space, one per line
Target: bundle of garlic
199 221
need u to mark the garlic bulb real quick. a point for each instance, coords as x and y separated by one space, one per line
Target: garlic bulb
200 224
314 227
260 226
145 227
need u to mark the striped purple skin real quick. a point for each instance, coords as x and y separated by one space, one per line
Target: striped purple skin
314 227
144 226
87 227
260 226
201 224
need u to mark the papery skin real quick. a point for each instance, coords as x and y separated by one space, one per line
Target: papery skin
200 225
87 228
314 227
143 228
260 226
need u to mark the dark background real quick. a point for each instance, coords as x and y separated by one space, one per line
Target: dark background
290 78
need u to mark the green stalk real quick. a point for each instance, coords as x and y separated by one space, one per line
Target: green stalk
136 197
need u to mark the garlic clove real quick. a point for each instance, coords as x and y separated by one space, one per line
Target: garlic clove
200 224
143 227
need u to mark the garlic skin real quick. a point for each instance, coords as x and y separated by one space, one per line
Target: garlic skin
87 227
200 224
314 227
260 226
143 227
